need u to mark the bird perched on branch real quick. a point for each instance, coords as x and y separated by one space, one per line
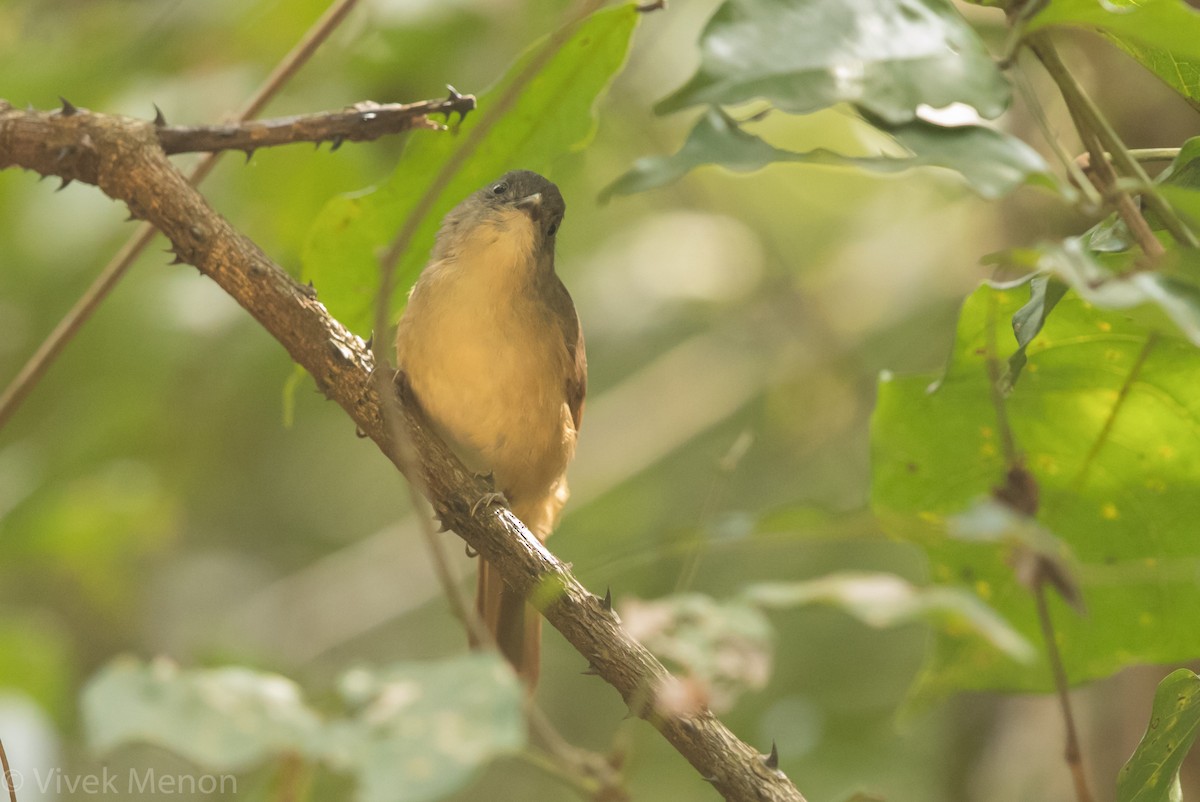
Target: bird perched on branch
492 348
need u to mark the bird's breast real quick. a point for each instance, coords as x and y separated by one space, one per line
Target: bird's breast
489 369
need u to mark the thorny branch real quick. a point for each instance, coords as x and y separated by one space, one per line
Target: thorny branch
123 158
359 123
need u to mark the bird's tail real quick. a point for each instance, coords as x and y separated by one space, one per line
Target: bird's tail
516 627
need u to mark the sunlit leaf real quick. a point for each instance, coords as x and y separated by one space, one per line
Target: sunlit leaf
886 600
424 729
1106 415
1164 35
1174 290
992 163
1152 773
885 56
551 116
224 719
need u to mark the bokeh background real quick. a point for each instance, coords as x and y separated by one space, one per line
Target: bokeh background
155 500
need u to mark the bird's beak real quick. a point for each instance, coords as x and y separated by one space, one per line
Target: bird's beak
531 205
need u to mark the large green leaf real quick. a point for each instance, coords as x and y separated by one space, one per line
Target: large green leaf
885 56
992 162
1164 35
224 719
424 729
549 116
1107 414
1152 773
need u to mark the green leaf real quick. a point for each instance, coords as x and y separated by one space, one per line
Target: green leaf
224 719
1107 414
992 163
886 600
1174 290
423 730
1027 322
1152 773
1163 35
885 56
550 116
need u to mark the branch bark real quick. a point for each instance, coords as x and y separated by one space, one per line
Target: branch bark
123 158
359 123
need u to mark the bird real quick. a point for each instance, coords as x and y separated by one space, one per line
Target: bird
492 348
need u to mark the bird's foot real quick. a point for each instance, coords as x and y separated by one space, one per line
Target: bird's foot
487 500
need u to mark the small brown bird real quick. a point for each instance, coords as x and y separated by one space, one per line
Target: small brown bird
493 350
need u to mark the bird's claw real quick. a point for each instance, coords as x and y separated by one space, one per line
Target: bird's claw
487 500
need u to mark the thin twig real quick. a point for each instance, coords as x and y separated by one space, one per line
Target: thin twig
1092 123
1072 752
37 365
8 780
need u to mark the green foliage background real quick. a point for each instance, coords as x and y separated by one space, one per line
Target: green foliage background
153 502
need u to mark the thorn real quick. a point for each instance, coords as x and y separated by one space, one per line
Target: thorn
454 93
249 154
65 183
772 760
710 780
160 121
336 142
371 341
590 671
442 525
607 600
309 289
178 260
656 5
360 433
68 108
471 552
131 217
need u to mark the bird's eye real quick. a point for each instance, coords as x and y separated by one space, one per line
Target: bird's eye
500 188
552 230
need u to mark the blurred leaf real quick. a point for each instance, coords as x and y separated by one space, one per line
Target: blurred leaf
223 719
425 729
992 163
722 648
1164 35
1106 415
885 56
1152 773
1035 554
551 116
886 600
90 530
35 659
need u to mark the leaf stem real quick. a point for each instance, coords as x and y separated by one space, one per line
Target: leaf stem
1072 753
1099 137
